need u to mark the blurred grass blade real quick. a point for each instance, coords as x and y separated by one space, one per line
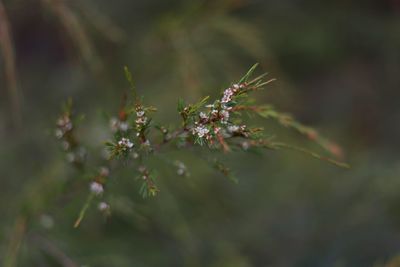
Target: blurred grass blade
8 53
76 32
17 235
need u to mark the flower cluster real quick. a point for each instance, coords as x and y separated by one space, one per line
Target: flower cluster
201 131
141 119
118 125
125 144
64 125
75 153
215 123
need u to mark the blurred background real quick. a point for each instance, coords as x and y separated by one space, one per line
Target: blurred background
337 65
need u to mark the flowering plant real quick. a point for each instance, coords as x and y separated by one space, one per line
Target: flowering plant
217 125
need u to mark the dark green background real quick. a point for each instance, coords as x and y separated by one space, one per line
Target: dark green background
337 65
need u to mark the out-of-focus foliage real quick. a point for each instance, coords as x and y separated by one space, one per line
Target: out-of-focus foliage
337 66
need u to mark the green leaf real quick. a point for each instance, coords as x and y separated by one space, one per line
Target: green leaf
181 105
129 78
248 74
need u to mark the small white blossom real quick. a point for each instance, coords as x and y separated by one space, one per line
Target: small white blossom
59 133
203 116
233 128
114 124
245 145
227 97
123 126
201 131
141 120
140 113
142 169
117 125
125 144
46 221
104 171
146 143
181 168
96 188
103 206
224 116
64 123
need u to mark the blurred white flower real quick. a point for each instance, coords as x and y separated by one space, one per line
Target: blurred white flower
103 206
96 188
104 171
46 221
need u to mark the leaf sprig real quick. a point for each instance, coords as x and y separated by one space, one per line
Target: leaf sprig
215 126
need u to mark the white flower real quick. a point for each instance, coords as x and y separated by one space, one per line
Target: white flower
125 143
103 206
233 128
146 143
140 113
96 188
141 120
59 133
104 171
114 124
209 106
142 169
182 170
217 130
203 116
46 221
201 131
123 126
117 125
228 93
245 145
224 116
64 123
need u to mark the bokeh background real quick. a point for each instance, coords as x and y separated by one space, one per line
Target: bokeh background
338 69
